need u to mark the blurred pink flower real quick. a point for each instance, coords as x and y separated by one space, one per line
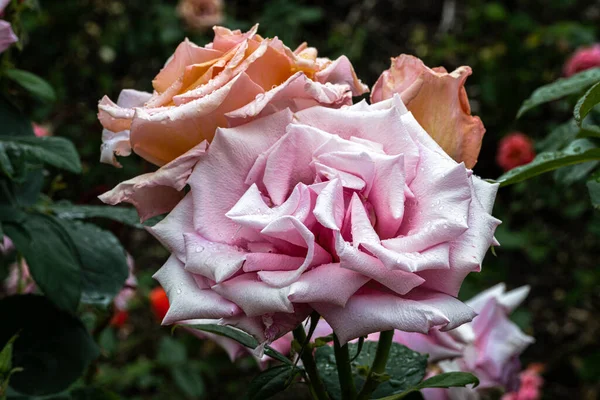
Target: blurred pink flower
201 14
439 103
7 36
514 150
531 384
19 279
40 130
488 347
583 59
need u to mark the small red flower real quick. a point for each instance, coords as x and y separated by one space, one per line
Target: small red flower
159 303
119 319
584 58
514 150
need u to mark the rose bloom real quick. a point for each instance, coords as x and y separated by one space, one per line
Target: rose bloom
201 14
40 130
355 213
583 59
234 79
531 384
515 149
488 347
438 100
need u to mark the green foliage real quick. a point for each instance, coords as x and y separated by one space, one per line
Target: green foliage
271 381
405 368
579 151
585 104
241 337
52 347
6 366
54 151
593 186
445 380
561 88
36 86
68 211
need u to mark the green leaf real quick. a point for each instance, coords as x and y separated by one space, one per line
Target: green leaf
450 379
579 151
240 337
405 368
574 173
51 256
593 186
189 381
55 151
445 380
270 382
560 88
35 85
53 347
14 123
589 131
586 103
125 215
6 356
103 261
559 137
171 352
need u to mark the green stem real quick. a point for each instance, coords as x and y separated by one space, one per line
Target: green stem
342 360
318 389
378 367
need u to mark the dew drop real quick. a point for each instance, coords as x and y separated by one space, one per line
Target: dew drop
199 249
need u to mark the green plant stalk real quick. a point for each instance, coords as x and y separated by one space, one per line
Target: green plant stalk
316 384
378 367
342 360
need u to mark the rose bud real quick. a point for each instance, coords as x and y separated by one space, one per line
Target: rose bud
583 59
515 149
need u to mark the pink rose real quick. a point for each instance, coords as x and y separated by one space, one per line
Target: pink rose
201 14
438 101
40 130
356 213
531 383
583 59
234 79
488 346
514 150
19 279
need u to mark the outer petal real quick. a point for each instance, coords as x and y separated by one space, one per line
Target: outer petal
297 93
215 261
438 101
162 136
375 311
340 71
439 345
157 192
186 300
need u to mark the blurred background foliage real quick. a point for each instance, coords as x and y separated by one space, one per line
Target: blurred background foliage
550 232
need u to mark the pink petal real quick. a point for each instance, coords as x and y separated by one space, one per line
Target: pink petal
157 192
340 71
7 36
376 311
215 261
253 296
186 300
323 284
218 180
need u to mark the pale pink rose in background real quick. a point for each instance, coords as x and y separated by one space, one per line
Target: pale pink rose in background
234 79
583 59
201 14
487 347
356 213
40 130
3 4
531 384
122 299
438 101
19 279
7 36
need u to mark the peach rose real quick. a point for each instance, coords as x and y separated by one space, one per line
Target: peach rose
438 100
236 78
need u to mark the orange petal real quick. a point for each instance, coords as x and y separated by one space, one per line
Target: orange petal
438 101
